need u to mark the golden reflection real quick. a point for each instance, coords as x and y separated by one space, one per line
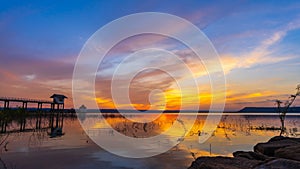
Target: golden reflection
136 129
228 129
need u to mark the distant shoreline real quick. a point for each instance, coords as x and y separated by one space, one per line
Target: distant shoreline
245 110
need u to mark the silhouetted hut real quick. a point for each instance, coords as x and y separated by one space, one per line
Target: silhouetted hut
59 100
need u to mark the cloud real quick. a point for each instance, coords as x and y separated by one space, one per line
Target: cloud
29 77
262 54
29 68
7 75
139 88
38 78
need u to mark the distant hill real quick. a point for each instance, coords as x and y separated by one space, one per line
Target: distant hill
267 110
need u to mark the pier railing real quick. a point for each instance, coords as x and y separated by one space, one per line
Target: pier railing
16 99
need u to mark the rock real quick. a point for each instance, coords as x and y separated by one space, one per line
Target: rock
278 153
271 146
279 138
290 152
223 163
250 155
279 164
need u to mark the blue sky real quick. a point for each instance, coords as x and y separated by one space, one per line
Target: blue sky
258 43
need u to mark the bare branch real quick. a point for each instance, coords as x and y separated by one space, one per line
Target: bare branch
283 111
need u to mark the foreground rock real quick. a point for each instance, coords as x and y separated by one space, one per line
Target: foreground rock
279 163
223 163
278 152
282 147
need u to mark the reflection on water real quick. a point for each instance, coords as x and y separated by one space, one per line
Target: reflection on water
234 132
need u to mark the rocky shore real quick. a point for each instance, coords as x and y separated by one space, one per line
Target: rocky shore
278 153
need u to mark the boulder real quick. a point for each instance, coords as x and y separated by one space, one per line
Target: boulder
270 147
279 138
279 163
290 152
251 155
223 163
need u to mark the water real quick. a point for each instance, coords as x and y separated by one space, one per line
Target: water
35 149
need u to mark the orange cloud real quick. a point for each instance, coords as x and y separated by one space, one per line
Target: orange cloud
105 103
141 106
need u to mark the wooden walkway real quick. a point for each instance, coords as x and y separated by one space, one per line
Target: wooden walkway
56 114
15 99
25 102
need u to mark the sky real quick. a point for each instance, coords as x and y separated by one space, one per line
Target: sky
257 41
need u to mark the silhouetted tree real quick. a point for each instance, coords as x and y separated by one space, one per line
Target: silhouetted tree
283 107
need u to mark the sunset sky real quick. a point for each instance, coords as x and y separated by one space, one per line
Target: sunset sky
258 43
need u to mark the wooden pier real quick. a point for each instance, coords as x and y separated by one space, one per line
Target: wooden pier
56 113
24 102
58 102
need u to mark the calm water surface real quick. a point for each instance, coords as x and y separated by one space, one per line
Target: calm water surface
35 149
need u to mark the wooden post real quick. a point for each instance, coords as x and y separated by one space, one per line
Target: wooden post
6 104
62 114
38 116
51 119
57 117
24 105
